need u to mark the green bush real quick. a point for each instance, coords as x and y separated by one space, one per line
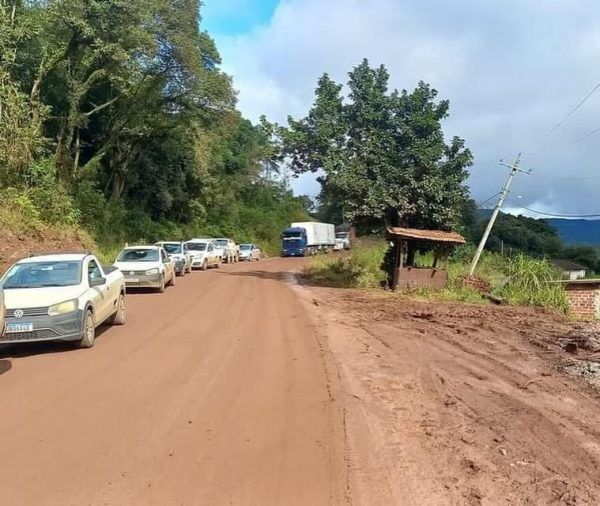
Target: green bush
359 268
531 282
49 196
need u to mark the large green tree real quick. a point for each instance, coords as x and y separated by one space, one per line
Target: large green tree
381 153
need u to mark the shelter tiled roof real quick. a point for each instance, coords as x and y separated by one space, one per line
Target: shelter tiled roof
425 235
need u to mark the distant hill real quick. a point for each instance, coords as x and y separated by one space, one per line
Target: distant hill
571 232
580 232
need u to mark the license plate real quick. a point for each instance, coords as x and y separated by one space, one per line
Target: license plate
132 280
12 328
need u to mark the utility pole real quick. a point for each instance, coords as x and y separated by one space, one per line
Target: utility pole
514 168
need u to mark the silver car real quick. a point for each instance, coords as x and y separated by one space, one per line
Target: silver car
250 252
146 267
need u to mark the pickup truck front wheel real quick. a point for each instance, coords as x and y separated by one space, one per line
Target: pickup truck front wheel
161 286
88 331
204 265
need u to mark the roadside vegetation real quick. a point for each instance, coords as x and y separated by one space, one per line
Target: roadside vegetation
519 280
116 119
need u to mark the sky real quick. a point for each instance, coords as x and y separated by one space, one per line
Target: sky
511 69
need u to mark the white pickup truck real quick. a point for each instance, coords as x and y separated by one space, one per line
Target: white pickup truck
61 297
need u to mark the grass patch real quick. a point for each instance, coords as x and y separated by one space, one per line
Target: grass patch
531 284
357 268
521 280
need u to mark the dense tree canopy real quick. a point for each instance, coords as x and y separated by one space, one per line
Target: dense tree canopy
120 106
381 154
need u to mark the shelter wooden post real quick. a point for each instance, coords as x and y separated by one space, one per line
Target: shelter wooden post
399 245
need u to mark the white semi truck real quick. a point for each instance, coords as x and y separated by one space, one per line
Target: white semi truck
307 237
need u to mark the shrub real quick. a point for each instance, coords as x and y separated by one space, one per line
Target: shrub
49 196
359 268
531 283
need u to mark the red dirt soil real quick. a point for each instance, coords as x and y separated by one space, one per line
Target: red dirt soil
455 404
14 246
237 387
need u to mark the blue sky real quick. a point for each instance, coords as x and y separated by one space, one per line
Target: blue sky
233 17
511 70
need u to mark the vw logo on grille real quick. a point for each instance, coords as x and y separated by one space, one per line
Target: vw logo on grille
131 273
18 313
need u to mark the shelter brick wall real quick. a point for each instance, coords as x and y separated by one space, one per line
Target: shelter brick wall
584 300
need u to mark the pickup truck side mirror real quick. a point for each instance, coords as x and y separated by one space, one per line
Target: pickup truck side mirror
97 282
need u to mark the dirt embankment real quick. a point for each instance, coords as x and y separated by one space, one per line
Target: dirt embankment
14 246
454 404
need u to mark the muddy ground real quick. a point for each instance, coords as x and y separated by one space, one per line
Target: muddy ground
454 404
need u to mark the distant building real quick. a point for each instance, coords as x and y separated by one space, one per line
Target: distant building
570 270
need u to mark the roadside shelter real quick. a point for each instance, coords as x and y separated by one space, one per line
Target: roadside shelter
406 241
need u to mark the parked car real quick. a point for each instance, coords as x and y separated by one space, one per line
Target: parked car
62 297
146 267
231 252
178 251
204 254
219 249
250 252
1 312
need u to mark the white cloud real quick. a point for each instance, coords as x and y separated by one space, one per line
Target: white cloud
510 69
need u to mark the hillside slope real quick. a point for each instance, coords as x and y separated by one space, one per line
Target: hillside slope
584 232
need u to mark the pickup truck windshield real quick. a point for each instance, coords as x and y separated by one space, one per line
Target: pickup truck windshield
245 246
138 255
222 242
197 246
172 248
43 274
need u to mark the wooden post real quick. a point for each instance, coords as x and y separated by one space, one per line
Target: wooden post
397 263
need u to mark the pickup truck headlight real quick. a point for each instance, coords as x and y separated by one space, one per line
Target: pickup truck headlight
63 307
150 272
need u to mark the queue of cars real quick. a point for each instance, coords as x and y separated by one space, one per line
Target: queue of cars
67 296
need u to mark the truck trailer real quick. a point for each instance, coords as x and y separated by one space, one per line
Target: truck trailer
306 238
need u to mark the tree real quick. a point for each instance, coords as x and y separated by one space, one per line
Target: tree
21 116
118 111
584 255
382 154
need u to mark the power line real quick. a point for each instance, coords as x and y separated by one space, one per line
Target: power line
542 213
488 199
583 138
571 112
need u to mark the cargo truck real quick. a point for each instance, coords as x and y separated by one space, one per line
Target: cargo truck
306 238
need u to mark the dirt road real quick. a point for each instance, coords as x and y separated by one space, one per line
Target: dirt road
215 393
239 388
